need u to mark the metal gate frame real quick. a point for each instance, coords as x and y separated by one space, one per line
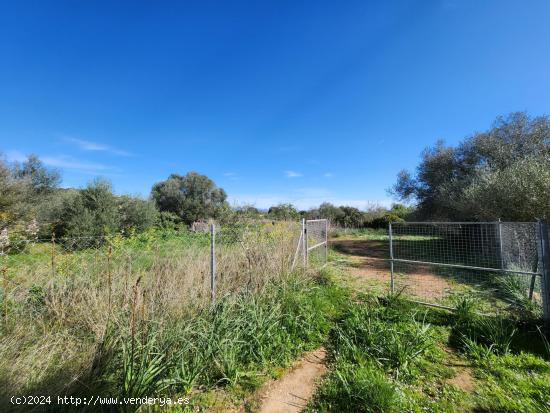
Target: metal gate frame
303 248
543 249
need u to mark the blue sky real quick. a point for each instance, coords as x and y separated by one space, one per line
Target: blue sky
276 101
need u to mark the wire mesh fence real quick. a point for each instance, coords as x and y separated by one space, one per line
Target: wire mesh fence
312 246
169 270
440 262
317 241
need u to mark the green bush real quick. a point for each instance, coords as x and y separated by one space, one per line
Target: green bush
168 220
136 214
191 197
351 388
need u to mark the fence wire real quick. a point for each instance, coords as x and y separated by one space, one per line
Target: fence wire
441 262
317 245
170 269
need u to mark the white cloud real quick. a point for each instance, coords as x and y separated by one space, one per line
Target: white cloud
231 176
328 175
62 161
95 147
292 174
68 162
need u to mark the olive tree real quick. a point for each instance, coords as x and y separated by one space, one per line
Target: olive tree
191 197
136 213
500 173
283 212
24 188
40 179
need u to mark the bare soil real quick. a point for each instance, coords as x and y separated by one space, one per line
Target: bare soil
463 378
371 266
291 393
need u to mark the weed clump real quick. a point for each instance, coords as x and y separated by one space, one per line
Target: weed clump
375 349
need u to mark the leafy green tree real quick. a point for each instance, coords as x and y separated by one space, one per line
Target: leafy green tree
248 211
192 197
330 212
12 197
24 187
55 215
92 211
168 220
519 192
283 212
351 217
401 211
136 213
397 213
500 173
40 179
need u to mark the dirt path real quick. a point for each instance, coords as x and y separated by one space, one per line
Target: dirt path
463 378
371 271
291 393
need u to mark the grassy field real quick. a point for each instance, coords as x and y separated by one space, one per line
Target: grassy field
132 317
368 250
387 354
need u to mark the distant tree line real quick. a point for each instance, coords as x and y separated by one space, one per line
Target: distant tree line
30 192
344 216
501 173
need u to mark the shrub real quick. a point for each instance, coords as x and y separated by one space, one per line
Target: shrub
136 213
168 220
191 197
349 388
283 212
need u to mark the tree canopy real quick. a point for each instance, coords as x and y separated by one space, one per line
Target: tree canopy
501 173
191 197
283 212
39 178
24 187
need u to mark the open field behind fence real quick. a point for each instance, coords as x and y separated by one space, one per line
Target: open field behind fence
500 263
61 299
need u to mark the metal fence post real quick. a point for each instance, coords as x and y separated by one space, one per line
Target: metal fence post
304 234
392 281
500 253
53 254
544 268
5 293
326 241
213 262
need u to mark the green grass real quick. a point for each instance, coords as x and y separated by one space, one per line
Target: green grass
389 355
133 316
380 234
152 242
234 345
385 354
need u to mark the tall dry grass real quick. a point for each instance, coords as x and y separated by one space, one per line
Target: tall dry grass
76 317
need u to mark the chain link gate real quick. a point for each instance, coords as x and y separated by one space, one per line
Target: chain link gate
312 247
434 262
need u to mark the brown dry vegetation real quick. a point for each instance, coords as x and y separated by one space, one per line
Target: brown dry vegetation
64 308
